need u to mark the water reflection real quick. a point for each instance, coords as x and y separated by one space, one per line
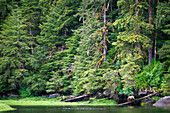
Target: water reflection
88 109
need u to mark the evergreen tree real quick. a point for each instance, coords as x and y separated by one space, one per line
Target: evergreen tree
164 55
55 31
90 77
132 41
13 49
162 23
5 9
64 46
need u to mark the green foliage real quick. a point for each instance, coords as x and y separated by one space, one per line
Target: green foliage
49 46
156 98
132 42
13 45
54 37
162 17
87 56
151 76
89 73
164 55
93 81
25 93
146 104
127 91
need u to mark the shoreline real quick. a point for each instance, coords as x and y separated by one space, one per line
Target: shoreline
40 103
51 103
5 107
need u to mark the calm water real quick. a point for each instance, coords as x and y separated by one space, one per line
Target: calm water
89 109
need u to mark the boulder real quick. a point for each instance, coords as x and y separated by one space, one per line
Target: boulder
165 101
55 95
13 96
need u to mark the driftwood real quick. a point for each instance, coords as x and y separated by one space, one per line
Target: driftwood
129 102
75 98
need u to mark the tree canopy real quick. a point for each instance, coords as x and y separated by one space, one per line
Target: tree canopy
84 46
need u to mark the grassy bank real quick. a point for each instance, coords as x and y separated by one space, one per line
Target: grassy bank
4 107
54 102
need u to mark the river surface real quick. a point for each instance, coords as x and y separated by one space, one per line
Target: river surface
89 109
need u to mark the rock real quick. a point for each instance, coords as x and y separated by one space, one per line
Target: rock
99 95
107 93
55 95
165 101
13 96
142 93
70 96
149 100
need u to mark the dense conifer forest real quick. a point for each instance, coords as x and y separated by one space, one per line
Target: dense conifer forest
77 47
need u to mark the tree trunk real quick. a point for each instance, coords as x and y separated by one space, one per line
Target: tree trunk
32 51
83 14
156 35
65 32
104 32
111 6
150 18
136 1
76 98
136 13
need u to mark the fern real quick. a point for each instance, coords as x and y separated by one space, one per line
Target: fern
151 76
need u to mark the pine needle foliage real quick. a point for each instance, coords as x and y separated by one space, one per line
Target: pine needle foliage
132 41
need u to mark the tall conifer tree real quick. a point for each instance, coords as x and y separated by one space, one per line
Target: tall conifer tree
131 41
14 48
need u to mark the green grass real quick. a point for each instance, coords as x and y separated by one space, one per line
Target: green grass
4 107
38 101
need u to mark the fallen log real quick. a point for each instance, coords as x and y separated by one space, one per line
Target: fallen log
75 98
126 103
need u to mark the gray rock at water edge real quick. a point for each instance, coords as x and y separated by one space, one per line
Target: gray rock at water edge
149 100
55 95
165 101
13 96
